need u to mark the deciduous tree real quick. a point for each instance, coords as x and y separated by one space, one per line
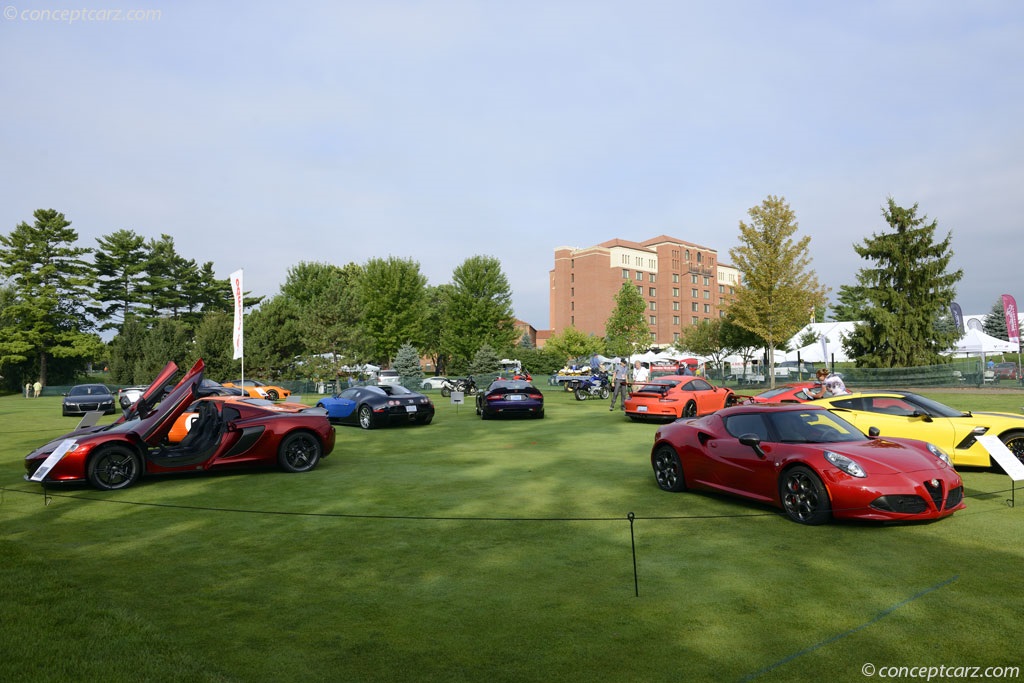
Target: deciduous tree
778 287
479 308
626 330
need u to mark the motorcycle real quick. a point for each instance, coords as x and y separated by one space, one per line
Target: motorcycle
595 386
467 385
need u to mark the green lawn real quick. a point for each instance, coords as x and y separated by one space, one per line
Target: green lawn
485 551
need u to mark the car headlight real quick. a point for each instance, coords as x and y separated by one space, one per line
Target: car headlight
939 453
847 465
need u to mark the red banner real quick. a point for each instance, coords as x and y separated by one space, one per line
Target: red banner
236 291
1012 324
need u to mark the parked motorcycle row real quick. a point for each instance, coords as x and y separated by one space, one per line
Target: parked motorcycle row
595 386
467 385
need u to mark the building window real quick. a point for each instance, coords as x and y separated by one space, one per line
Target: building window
675 305
653 305
694 320
675 277
675 292
572 277
625 259
707 308
707 294
572 305
640 290
721 289
675 320
693 293
693 306
700 257
651 291
687 255
675 336
639 275
651 265
572 291
707 281
693 279
653 319
654 276
625 273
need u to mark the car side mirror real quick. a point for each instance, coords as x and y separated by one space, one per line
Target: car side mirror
754 441
874 431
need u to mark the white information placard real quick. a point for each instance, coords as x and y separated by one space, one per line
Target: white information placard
458 398
1002 455
53 459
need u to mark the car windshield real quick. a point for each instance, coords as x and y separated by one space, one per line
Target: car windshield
88 390
515 385
772 393
812 426
394 390
934 408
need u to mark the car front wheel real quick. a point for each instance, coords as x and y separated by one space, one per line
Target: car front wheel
113 468
299 452
804 497
668 469
1014 441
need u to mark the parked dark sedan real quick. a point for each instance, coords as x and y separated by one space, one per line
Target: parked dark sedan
510 397
86 398
378 405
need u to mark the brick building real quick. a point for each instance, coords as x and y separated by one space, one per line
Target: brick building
682 283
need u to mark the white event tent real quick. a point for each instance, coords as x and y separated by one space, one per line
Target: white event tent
975 342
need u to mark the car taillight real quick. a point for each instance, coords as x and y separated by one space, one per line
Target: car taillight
495 397
536 397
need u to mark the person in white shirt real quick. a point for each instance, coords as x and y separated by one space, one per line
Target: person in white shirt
831 384
640 373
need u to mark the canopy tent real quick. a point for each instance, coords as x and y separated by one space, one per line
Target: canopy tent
976 342
834 334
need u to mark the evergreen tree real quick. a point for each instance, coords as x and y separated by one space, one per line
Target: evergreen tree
46 318
479 308
907 289
485 364
407 363
119 264
126 354
850 304
778 285
213 343
626 330
994 323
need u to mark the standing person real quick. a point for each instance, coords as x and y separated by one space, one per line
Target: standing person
37 388
830 382
620 381
28 389
640 373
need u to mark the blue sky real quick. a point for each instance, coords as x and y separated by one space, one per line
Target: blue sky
262 135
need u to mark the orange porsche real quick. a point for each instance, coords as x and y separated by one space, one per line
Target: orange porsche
674 396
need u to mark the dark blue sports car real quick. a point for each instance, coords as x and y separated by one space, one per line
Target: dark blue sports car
377 406
510 397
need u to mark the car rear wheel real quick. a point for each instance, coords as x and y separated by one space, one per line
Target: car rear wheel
804 497
539 414
365 416
299 452
690 410
426 420
273 395
113 468
668 469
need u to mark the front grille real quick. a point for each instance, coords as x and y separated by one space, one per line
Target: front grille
934 489
955 497
909 505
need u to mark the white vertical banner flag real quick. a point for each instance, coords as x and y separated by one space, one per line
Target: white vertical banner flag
236 291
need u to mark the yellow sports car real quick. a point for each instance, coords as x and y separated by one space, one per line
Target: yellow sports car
256 389
906 414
